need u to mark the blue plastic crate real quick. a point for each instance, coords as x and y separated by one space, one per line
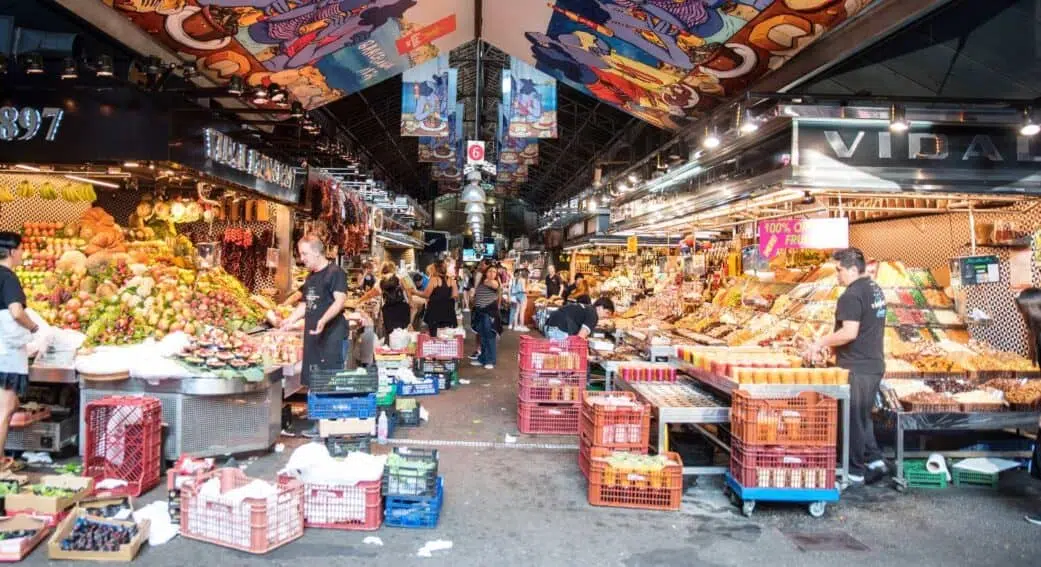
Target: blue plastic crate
428 387
340 406
415 511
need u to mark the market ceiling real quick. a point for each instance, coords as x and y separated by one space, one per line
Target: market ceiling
664 62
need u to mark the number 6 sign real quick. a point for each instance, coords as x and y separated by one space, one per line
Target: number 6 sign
474 151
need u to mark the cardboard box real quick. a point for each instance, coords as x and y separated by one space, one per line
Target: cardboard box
352 426
53 505
126 552
15 550
96 502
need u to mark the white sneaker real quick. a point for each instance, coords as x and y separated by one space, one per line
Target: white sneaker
475 363
489 367
877 465
523 329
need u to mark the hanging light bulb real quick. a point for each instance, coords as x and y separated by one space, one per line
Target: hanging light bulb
898 119
748 124
296 110
260 95
592 205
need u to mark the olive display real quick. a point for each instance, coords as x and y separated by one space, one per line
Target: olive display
90 535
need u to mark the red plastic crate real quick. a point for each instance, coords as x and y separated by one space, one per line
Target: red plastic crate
342 507
585 449
433 348
631 488
547 419
553 387
807 420
548 355
782 467
252 525
124 441
616 427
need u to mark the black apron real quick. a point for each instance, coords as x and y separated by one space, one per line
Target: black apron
324 351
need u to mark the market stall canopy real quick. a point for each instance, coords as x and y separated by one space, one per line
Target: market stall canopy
319 51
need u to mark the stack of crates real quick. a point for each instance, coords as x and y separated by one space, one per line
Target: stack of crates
437 361
614 421
784 443
413 491
387 367
344 395
551 384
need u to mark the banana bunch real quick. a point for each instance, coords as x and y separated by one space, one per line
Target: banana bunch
6 196
25 189
47 191
74 192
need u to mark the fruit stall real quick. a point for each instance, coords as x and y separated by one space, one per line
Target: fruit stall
169 300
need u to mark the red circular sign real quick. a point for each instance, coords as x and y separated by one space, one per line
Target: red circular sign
475 152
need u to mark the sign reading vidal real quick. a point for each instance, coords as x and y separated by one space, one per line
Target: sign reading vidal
932 146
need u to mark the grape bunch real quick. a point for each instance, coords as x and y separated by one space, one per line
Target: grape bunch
90 535
109 511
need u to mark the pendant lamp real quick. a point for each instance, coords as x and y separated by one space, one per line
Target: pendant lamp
475 208
474 218
472 194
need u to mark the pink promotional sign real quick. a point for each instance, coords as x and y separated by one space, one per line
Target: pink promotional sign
792 234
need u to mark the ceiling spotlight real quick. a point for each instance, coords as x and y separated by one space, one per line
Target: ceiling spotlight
104 66
260 95
898 119
33 63
748 124
277 94
153 65
69 69
592 205
188 71
296 110
633 178
623 187
711 140
236 86
1029 127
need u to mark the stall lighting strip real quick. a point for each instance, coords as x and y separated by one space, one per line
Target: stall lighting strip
484 444
401 242
92 181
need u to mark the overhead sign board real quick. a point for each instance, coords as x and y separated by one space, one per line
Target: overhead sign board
474 151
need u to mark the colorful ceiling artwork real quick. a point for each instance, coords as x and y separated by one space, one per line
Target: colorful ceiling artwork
320 50
664 61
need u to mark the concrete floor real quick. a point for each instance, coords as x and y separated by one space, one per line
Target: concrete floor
523 506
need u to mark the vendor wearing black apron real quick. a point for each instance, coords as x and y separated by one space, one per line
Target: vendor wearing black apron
325 329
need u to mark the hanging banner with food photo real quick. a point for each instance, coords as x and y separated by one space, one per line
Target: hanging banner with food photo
444 149
532 100
428 95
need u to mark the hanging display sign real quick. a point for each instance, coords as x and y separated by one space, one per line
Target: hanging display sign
531 101
975 270
428 95
794 234
474 151
631 244
225 150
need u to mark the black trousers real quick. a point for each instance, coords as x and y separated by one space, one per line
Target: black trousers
863 448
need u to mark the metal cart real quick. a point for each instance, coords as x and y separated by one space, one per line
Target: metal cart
816 499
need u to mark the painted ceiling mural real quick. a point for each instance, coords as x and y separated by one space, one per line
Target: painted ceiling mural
664 61
320 50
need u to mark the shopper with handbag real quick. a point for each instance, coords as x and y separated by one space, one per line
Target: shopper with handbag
396 311
487 319
1029 303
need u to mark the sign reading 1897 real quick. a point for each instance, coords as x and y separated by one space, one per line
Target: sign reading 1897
23 124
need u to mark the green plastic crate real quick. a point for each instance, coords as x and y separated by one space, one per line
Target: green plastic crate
974 478
385 395
918 477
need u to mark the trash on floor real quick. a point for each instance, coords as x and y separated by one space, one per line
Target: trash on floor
37 458
373 540
162 527
432 546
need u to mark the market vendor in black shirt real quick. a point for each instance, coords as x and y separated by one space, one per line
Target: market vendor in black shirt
554 284
325 329
577 319
858 343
